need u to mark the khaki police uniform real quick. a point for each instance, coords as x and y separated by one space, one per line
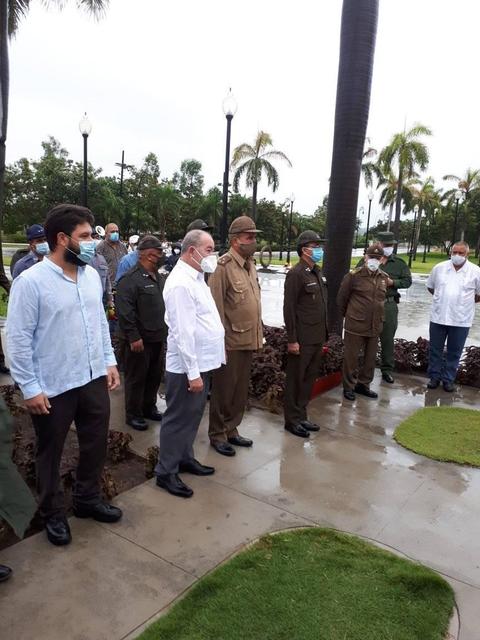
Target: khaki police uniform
235 289
305 317
361 301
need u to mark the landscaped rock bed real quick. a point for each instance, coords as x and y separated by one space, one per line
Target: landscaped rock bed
123 470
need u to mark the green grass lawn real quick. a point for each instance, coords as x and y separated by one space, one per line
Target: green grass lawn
311 584
443 433
417 265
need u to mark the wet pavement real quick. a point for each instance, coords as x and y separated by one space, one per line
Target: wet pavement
351 475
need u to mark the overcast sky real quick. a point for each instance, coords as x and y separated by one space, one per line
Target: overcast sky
152 76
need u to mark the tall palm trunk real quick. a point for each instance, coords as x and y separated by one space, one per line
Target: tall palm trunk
4 85
357 48
254 200
398 207
390 213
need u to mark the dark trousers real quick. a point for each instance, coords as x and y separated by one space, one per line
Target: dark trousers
180 421
301 373
352 347
89 408
438 367
143 374
229 395
390 325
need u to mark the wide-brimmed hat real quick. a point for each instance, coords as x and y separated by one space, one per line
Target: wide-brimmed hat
386 237
375 250
243 224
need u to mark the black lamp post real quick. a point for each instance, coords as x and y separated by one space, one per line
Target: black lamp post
370 198
229 109
122 166
85 129
289 234
282 231
458 195
361 211
426 241
412 242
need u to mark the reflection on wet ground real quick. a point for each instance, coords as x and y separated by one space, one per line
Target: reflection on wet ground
413 316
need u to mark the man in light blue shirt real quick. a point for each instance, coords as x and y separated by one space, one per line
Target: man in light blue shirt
62 359
125 264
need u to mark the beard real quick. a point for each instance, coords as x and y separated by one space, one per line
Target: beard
71 256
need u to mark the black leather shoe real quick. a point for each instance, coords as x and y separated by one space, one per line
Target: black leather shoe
172 483
240 441
154 415
309 426
5 573
6 371
348 394
224 448
448 386
433 384
138 424
388 378
297 430
196 468
101 512
363 390
58 531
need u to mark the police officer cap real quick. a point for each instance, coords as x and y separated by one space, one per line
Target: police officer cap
386 237
149 242
243 224
199 224
35 231
375 250
308 236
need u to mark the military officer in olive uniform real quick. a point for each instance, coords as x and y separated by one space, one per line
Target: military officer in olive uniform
305 317
142 327
235 289
361 300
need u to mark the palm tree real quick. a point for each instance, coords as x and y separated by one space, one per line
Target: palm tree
252 161
11 13
357 48
428 199
369 167
407 153
470 186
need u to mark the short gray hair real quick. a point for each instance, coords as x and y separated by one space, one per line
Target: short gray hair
193 239
461 243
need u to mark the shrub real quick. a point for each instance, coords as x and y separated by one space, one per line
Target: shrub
469 370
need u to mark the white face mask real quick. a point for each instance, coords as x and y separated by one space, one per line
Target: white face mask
387 251
458 260
373 264
207 264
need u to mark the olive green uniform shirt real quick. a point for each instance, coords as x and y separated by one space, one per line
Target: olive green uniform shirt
361 300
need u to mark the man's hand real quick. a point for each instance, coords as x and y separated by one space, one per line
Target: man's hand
113 378
196 385
390 282
293 348
38 405
137 346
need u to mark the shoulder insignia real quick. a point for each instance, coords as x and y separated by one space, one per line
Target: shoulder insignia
225 259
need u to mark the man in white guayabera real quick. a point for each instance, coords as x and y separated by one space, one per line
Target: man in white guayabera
455 286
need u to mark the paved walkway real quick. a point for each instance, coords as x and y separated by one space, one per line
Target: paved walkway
351 475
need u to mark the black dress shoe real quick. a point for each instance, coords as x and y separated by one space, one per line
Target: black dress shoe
224 448
138 424
388 378
297 430
240 441
58 531
5 573
154 415
433 384
309 426
196 468
6 371
448 386
172 483
101 512
363 390
348 394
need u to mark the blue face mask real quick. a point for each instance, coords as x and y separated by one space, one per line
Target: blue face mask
114 236
87 250
42 249
317 254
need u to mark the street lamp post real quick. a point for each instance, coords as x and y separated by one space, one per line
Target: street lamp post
289 234
427 240
412 241
458 195
361 211
370 198
122 166
229 109
85 129
282 231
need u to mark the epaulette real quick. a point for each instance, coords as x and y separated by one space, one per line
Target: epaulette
356 270
225 259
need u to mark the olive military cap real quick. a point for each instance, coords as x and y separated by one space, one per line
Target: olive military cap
308 236
375 250
386 237
149 242
243 224
199 225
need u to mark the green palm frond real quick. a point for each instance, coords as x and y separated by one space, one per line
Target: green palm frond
238 176
262 141
17 10
242 152
272 175
276 155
